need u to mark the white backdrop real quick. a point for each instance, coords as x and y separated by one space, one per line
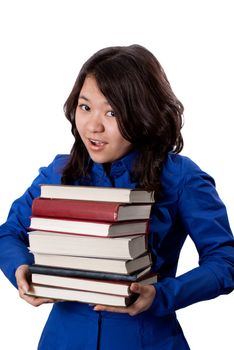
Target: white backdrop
43 44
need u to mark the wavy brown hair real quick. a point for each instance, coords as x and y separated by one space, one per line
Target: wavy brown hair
149 114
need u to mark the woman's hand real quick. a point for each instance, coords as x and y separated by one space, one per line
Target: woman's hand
146 296
22 276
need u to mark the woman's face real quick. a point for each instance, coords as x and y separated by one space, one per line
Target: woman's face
97 125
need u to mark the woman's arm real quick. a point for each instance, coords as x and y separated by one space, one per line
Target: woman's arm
204 217
13 233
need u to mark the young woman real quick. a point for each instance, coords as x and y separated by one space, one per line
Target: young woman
127 122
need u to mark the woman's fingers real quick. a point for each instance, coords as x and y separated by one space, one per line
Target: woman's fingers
146 296
22 275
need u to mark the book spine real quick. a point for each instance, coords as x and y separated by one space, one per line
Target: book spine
74 209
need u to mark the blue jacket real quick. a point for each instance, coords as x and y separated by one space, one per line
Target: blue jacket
190 206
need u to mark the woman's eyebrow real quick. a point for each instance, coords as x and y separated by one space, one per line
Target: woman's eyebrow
86 99
83 97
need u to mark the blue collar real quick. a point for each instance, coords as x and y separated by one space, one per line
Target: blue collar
118 167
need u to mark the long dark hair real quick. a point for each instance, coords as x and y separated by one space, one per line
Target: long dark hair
149 114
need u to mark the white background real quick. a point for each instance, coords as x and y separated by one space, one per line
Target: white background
43 45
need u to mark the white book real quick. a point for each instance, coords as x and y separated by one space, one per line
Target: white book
109 194
128 247
80 296
93 264
91 228
92 285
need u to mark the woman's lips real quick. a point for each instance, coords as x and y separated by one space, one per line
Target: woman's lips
96 144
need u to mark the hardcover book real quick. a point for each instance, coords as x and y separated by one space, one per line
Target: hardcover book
96 275
94 264
107 194
80 296
89 210
92 285
89 228
128 247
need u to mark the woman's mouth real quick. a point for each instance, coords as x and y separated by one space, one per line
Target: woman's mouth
96 144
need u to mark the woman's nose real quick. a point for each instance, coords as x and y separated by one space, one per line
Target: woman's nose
95 123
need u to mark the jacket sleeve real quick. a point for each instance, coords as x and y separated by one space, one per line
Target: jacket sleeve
204 217
13 233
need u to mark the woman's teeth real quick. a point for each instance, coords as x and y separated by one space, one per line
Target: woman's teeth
96 142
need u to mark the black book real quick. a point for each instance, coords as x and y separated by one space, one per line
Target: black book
67 272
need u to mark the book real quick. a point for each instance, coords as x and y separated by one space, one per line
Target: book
90 228
80 295
93 264
100 286
107 194
97 275
128 247
89 210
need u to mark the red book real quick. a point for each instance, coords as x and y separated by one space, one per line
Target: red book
89 210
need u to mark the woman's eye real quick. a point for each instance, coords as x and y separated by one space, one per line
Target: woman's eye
111 114
84 107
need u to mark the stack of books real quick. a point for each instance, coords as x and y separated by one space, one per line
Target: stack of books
90 243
